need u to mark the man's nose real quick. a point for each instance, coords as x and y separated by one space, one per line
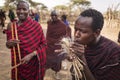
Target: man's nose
21 10
77 34
54 16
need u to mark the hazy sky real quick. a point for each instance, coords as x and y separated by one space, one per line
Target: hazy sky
100 5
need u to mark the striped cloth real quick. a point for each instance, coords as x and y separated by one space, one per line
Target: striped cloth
31 38
55 32
104 59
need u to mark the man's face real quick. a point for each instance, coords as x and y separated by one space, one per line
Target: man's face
54 17
22 11
83 31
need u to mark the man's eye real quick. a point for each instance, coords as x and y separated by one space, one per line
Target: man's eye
24 9
84 31
18 9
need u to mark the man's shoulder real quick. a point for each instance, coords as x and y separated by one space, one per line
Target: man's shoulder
109 44
62 23
34 22
49 21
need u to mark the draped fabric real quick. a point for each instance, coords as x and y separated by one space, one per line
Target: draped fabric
31 38
66 22
104 59
68 29
55 32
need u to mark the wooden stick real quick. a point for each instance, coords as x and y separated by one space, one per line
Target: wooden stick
18 46
16 66
12 29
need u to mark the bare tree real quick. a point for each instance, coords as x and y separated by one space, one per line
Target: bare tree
81 4
113 15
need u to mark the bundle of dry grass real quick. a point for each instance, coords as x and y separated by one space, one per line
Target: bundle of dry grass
76 62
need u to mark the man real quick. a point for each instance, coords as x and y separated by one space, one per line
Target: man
2 18
56 29
37 17
101 55
32 46
64 19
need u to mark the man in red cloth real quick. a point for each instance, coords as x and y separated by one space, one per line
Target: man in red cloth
56 29
64 19
32 46
100 54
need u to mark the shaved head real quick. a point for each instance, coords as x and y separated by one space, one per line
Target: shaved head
24 3
54 12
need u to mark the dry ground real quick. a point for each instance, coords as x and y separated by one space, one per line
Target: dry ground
111 33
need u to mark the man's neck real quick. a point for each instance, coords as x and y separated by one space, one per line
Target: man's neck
20 22
95 42
97 39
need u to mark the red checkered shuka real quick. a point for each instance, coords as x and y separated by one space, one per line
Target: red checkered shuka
31 38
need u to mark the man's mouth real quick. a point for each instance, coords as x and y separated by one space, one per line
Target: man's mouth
76 39
21 15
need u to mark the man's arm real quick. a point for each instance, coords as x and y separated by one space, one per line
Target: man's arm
79 50
88 74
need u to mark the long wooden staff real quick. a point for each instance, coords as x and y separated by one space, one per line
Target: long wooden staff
14 52
18 46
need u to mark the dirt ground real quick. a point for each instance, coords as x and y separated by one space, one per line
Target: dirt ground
5 59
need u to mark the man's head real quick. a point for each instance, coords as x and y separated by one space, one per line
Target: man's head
88 26
63 17
54 16
22 10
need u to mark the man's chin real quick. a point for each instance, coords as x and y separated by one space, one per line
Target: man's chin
77 42
22 19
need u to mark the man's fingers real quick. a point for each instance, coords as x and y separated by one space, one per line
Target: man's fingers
16 41
78 47
76 44
24 62
59 50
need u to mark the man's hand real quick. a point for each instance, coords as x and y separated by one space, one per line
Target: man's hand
70 57
28 57
12 43
77 49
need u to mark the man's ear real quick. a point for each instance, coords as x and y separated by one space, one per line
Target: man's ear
97 32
